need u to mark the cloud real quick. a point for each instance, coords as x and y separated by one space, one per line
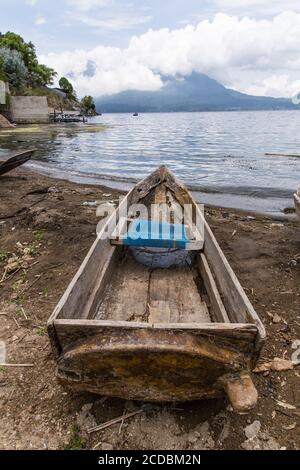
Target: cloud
271 85
108 19
86 5
253 55
40 20
115 23
103 70
257 8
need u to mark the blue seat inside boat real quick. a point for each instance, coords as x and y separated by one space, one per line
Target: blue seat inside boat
152 233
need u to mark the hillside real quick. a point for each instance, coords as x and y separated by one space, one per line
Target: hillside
196 92
55 100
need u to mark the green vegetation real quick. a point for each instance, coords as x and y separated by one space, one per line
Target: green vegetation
46 292
87 104
12 67
75 442
19 67
67 87
39 235
32 249
19 64
4 255
42 331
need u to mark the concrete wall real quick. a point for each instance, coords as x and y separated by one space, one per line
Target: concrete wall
28 109
2 92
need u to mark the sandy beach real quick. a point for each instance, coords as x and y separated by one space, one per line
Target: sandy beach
47 227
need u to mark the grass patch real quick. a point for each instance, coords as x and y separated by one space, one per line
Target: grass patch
39 235
32 249
46 292
4 255
75 442
42 331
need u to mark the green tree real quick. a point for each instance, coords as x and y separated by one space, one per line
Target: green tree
66 86
43 75
87 104
3 75
15 42
12 67
38 74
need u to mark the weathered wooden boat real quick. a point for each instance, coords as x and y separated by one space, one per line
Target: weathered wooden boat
297 202
16 161
157 319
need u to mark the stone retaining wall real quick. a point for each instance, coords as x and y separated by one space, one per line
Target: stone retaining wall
28 109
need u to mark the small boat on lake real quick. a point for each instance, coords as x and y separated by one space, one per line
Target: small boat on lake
159 316
297 202
15 161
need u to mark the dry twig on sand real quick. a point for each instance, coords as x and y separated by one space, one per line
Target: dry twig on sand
114 421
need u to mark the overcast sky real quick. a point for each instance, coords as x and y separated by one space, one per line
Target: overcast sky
107 46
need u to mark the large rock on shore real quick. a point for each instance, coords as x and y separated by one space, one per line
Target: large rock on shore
4 123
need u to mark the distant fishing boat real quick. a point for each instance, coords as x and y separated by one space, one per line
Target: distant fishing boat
157 318
17 160
297 202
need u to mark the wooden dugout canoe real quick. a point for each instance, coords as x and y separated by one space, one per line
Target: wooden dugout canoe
134 331
14 162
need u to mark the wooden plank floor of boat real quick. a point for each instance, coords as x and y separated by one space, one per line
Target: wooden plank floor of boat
137 293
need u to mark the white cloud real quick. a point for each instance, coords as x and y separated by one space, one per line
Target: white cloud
40 20
255 7
31 2
86 5
115 23
113 71
257 56
275 85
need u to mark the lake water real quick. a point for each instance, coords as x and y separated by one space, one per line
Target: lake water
219 155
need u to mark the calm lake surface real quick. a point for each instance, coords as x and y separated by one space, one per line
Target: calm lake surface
220 156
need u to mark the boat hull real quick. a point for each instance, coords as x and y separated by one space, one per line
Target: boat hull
15 161
158 333
178 363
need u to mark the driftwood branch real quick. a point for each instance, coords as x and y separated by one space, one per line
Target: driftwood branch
114 421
